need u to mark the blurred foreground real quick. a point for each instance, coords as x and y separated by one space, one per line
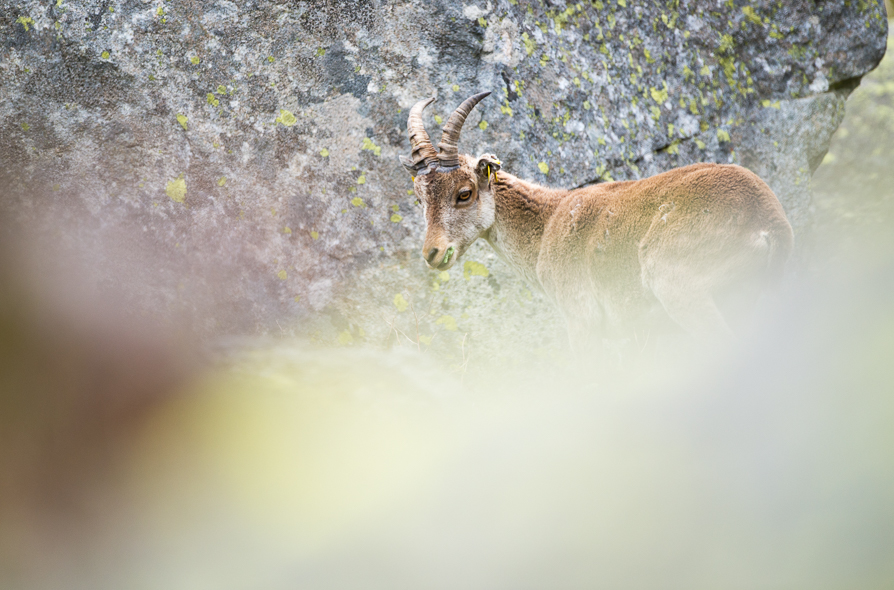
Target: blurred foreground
133 458
289 466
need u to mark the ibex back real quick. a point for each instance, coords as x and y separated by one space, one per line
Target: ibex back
607 255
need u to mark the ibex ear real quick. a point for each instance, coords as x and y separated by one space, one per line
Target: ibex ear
408 164
487 167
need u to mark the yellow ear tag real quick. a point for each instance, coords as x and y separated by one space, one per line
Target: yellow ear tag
488 171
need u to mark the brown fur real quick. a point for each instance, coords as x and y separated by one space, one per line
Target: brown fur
611 255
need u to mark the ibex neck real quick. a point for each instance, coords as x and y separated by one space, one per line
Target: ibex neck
522 212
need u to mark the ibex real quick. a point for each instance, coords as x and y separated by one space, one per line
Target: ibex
611 254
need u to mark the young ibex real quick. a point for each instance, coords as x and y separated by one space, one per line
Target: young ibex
611 254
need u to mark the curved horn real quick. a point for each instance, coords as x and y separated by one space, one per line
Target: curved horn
449 155
424 152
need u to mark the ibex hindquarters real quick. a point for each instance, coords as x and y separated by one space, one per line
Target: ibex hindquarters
610 254
689 240
730 240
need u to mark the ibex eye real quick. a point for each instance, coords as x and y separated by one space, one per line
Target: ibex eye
464 195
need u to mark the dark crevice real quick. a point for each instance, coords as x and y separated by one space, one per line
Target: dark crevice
511 95
846 86
597 180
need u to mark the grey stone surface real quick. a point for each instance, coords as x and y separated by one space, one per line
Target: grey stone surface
239 160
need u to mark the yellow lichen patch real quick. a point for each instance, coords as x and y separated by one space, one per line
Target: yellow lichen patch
212 100
314 235
25 126
448 322
752 15
729 68
439 120
181 118
370 146
726 43
395 208
659 96
222 181
176 189
722 135
426 340
358 202
455 87
528 42
482 125
767 104
362 178
297 298
286 118
25 21
345 338
195 60
444 276
283 275
700 144
105 55
543 167
396 218
324 152
221 89
474 269
287 230
400 302
271 59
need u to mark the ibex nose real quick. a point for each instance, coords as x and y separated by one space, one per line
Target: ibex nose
432 256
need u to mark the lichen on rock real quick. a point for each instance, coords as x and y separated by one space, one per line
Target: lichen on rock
117 103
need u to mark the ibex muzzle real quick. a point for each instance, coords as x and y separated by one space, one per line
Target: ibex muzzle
606 254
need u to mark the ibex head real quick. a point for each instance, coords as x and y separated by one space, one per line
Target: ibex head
455 189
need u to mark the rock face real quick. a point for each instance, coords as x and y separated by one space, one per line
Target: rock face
241 158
